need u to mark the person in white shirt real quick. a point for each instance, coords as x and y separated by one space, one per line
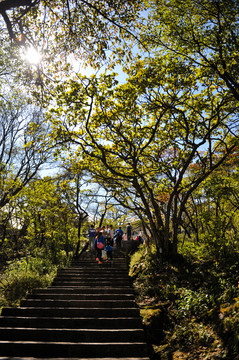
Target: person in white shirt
92 233
111 231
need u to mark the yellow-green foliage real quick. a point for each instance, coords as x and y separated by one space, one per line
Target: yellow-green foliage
143 261
149 315
22 277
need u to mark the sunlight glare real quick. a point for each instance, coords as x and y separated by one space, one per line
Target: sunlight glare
32 56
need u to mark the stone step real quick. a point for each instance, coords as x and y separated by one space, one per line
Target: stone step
91 274
88 269
70 312
94 279
71 335
102 267
90 257
97 276
116 262
88 312
72 323
72 350
83 296
118 254
109 304
85 289
89 282
77 358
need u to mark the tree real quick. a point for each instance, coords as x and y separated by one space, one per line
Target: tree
70 186
88 200
51 222
23 144
139 139
84 30
177 109
213 210
202 33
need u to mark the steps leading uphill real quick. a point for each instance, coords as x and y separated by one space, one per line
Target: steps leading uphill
88 312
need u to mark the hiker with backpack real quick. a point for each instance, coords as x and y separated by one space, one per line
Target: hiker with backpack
118 237
99 245
109 250
91 233
111 232
129 231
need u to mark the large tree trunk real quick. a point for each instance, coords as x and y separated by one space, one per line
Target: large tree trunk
78 236
81 220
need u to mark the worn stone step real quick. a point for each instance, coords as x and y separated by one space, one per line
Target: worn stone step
71 335
118 258
118 254
83 296
77 358
93 277
89 264
92 274
94 267
112 268
89 270
70 312
117 263
89 282
88 312
72 323
71 350
86 289
78 303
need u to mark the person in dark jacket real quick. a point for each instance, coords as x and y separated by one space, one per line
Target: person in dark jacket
118 238
109 250
129 231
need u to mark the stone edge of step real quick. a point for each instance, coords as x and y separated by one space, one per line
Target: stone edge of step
108 358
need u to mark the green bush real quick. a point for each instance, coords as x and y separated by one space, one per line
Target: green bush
144 266
188 306
18 287
143 261
194 303
193 334
23 276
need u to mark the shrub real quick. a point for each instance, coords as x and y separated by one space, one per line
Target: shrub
194 303
18 287
23 276
189 306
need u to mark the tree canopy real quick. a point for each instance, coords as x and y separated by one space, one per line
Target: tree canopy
158 145
86 31
173 123
154 140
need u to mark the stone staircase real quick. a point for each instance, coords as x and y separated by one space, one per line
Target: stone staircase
88 312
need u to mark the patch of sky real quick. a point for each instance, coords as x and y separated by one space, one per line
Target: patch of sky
79 67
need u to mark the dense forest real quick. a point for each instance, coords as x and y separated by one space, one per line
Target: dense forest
118 110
